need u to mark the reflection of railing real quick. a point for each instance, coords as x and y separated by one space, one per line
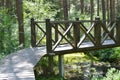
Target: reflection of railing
78 32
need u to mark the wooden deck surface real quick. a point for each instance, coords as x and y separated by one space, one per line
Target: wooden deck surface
86 46
19 65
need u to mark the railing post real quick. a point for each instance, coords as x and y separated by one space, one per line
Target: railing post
76 32
48 36
61 65
33 34
118 30
49 44
97 32
56 32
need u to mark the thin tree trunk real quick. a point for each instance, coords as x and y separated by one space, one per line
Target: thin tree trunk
108 9
92 8
19 11
112 10
98 7
112 14
82 6
103 10
65 9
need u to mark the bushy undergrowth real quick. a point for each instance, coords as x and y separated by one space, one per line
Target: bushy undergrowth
108 55
112 74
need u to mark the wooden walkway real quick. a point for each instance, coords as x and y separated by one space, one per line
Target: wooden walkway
60 37
79 35
19 65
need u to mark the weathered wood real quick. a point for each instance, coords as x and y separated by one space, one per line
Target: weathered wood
108 32
48 36
76 33
63 37
118 30
33 33
84 36
56 32
92 35
20 65
51 63
97 32
87 32
61 65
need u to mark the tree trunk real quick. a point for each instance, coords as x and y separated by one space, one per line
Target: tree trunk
82 6
1 3
103 10
92 8
65 9
19 11
112 14
98 7
112 10
108 9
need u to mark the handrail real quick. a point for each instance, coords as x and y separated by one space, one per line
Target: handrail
76 33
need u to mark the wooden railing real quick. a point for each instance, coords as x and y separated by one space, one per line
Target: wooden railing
75 34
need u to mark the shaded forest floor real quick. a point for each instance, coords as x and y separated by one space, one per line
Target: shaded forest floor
79 67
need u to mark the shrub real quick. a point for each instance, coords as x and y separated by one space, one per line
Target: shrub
107 55
112 74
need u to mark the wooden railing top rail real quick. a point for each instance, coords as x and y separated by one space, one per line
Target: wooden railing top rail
95 31
71 21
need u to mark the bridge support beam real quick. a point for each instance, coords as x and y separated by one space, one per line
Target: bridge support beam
50 58
118 31
61 65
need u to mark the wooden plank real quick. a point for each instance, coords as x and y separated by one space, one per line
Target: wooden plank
84 36
97 32
118 31
48 36
108 33
63 37
20 65
86 46
76 33
33 33
61 65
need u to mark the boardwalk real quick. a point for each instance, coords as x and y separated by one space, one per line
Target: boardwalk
19 65
59 40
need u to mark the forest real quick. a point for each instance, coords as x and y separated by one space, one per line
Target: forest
15 16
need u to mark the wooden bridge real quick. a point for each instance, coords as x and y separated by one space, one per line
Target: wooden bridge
58 38
62 37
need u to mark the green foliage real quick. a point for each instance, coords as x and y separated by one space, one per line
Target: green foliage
112 74
52 77
39 9
43 68
8 32
110 55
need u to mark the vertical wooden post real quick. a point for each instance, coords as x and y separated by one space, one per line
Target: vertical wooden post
48 36
118 30
49 44
33 34
56 32
76 33
61 65
97 32
51 63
